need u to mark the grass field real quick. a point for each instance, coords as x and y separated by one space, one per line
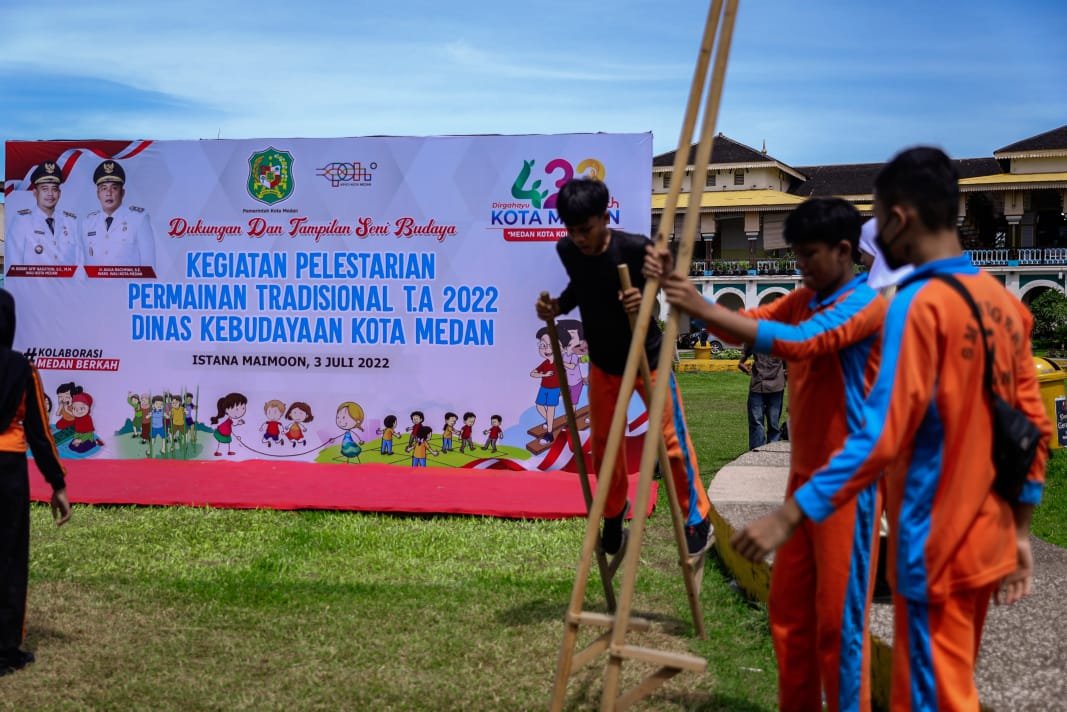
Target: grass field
202 609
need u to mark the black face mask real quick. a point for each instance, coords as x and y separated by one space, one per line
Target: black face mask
884 244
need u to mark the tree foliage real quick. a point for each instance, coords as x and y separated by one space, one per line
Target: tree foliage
1050 317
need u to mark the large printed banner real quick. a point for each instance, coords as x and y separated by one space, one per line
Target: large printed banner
360 300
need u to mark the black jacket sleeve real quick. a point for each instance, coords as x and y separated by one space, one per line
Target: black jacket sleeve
39 434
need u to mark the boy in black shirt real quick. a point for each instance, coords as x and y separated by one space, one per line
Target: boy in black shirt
591 253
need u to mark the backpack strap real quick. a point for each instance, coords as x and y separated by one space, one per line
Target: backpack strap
952 281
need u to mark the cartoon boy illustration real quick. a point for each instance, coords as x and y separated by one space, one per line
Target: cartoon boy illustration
231 411
466 433
84 431
417 418
298 414
387 433
272 428
64 396
158 420
190 416
494 432
548 393
420 445
176 419
575 356
448 431
349 419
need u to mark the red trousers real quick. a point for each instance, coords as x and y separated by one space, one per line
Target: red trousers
935 648
692 496
821 587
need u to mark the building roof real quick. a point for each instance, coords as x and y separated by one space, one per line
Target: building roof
1054 140
858 178
723 150
844 179
1014 180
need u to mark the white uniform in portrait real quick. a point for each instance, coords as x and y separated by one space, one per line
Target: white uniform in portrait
34 242
124 239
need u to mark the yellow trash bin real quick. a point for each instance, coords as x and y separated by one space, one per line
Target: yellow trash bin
1052 380
701 353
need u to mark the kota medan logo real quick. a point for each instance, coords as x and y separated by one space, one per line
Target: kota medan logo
354 173
270 175
524 189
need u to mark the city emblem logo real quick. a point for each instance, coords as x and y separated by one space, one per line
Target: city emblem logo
270 175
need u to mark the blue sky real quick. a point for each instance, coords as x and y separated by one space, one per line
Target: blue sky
821 82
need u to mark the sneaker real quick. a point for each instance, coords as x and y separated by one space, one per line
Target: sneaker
15 659
611 534
697 537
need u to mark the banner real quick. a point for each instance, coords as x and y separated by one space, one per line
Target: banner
360 300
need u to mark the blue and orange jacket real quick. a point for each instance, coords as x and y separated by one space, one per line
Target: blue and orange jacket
927 424
832 346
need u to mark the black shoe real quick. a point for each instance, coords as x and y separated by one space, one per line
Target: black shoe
547 437
611 535
696 536
15 659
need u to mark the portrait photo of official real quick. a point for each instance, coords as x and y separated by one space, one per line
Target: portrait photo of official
118 233
44 234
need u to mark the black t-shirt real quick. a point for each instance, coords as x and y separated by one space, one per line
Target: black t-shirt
594 289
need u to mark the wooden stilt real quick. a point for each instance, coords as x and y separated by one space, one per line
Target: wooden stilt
670 664
685 562
607 568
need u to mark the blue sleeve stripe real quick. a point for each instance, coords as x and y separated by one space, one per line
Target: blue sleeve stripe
823 321
1032 492
815 496
764 337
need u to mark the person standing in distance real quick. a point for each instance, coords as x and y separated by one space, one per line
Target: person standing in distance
23 424
43 235
117 234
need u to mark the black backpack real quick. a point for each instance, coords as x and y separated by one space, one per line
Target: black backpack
1015 437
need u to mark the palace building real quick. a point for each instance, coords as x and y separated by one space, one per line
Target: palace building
1011 214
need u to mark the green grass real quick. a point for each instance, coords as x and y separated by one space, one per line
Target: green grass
202 609
1050 517
205 609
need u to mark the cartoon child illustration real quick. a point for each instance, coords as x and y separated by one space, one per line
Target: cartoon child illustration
548 394
231 410
84 431
64 395
138 414
420 444
298 414
388 433
494 432
272 428
417 418
158 419
190 416
349 418
575 349
447 432
145 423
176 420
466 433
